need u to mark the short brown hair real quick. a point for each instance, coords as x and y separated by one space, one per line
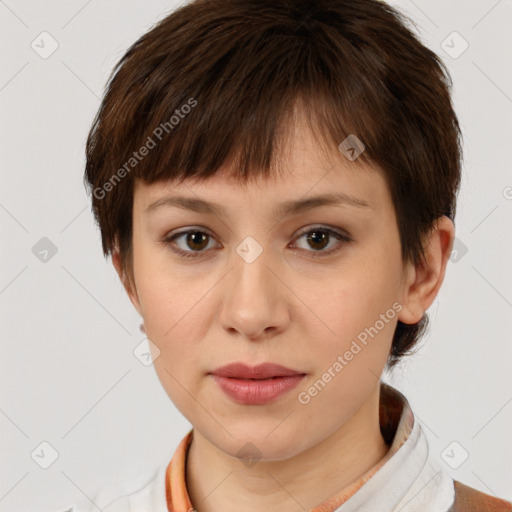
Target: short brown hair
222 79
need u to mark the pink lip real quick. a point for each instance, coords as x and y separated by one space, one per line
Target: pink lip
261 371
256 385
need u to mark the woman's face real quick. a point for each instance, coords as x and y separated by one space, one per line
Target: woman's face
254 285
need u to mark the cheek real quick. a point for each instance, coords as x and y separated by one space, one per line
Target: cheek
173 311
355 307
162 293
175 320
176 316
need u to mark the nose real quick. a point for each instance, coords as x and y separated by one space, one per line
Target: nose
255 302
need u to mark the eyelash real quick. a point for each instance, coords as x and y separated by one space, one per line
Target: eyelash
168 241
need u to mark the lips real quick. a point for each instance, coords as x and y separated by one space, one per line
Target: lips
261 371
256 385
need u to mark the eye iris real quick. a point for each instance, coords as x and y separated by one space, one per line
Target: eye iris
318 237
197 237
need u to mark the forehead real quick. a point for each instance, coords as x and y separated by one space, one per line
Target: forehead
305 166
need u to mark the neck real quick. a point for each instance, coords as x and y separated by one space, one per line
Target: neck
218 481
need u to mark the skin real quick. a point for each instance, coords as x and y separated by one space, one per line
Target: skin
288 307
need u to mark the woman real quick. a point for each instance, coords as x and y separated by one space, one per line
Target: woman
276 183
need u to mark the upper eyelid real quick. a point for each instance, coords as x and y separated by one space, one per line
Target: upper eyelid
301 231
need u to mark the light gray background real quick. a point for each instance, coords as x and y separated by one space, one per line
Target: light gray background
68 374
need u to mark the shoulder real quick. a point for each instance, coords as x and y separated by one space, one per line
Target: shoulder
143 492
468 499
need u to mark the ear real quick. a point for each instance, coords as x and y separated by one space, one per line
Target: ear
132 292
423 281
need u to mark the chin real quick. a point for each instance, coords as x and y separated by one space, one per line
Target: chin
258 446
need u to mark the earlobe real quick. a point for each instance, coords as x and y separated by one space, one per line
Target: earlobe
411 311
424 280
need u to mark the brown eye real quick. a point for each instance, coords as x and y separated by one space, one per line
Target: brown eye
194 243
318 239
196 240
191 243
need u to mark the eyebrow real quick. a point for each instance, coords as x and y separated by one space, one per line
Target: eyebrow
286 208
